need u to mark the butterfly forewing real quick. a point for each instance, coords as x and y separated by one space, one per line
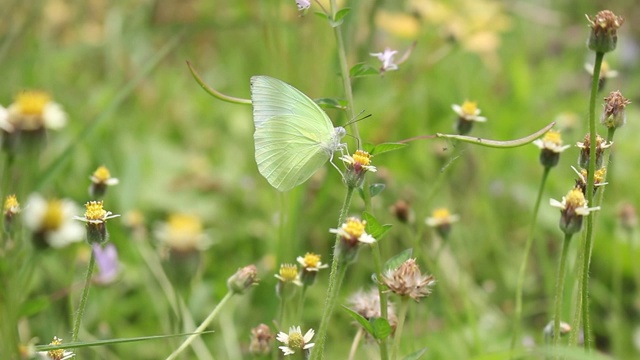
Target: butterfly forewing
272 97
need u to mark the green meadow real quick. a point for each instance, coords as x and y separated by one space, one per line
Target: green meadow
194 209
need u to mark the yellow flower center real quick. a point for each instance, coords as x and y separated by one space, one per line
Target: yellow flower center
311 260
553 137
56 354
441 213
362 157
11 204
94 211
32 102
184 224
600 175
296 341
288 272
354 227
575 199
53 216
469 107
102 174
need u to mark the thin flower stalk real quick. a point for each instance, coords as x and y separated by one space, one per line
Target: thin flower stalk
202 326
402 314
588 244
335 279
523 264
377 263
560 289
83 299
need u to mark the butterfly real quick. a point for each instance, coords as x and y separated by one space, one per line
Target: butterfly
293 136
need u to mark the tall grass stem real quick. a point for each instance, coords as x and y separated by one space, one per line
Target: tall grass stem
83 299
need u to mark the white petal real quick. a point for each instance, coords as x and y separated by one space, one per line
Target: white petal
556 203
54 117
309 335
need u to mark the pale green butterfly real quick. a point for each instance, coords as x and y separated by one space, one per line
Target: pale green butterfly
293 137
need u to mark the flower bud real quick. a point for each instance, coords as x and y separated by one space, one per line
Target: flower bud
604 31
243 279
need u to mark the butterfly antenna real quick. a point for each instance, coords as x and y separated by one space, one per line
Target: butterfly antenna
357 118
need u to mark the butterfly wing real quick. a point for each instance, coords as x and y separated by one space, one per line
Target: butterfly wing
289 149
272 97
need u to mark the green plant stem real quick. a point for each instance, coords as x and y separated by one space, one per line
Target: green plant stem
202 326
377 263
560 289
525 258
355 343
344 70
588 244
317 351
83 299
402 314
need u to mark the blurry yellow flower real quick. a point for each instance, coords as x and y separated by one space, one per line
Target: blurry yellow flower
33 110
400 24
183 233
51 221
59 354
311 262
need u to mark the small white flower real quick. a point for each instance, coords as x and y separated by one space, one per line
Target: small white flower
353 231
574 201
34 110
551 141
311 262
386 57
54 220
294 341
468 111
303 4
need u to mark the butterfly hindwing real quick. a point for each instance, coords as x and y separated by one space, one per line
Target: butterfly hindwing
289 149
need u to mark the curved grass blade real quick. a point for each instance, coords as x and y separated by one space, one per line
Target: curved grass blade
488 142
213 92
499 144
82 344
121 96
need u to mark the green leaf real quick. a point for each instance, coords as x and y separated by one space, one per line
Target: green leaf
381 328
376 189
368 147
397 260
322 15
337 21
386 147
362 70
499 144
331 103
34 306
368 327
416 355
373 227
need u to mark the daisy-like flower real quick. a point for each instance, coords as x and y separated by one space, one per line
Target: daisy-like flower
303 4
573 209
468 113
585 150
243 279
10 210
51 221
107 262
550 146
598 179
441 219
357 166
100 180
59 354
352 233
289 281
260 340
614 115
367 304
294 341
407 280
605 73
32 111
96 217
386 57
604 31
311 264
183 233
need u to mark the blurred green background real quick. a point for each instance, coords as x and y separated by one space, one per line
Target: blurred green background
118 69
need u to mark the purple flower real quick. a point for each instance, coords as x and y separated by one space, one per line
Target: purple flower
107 261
